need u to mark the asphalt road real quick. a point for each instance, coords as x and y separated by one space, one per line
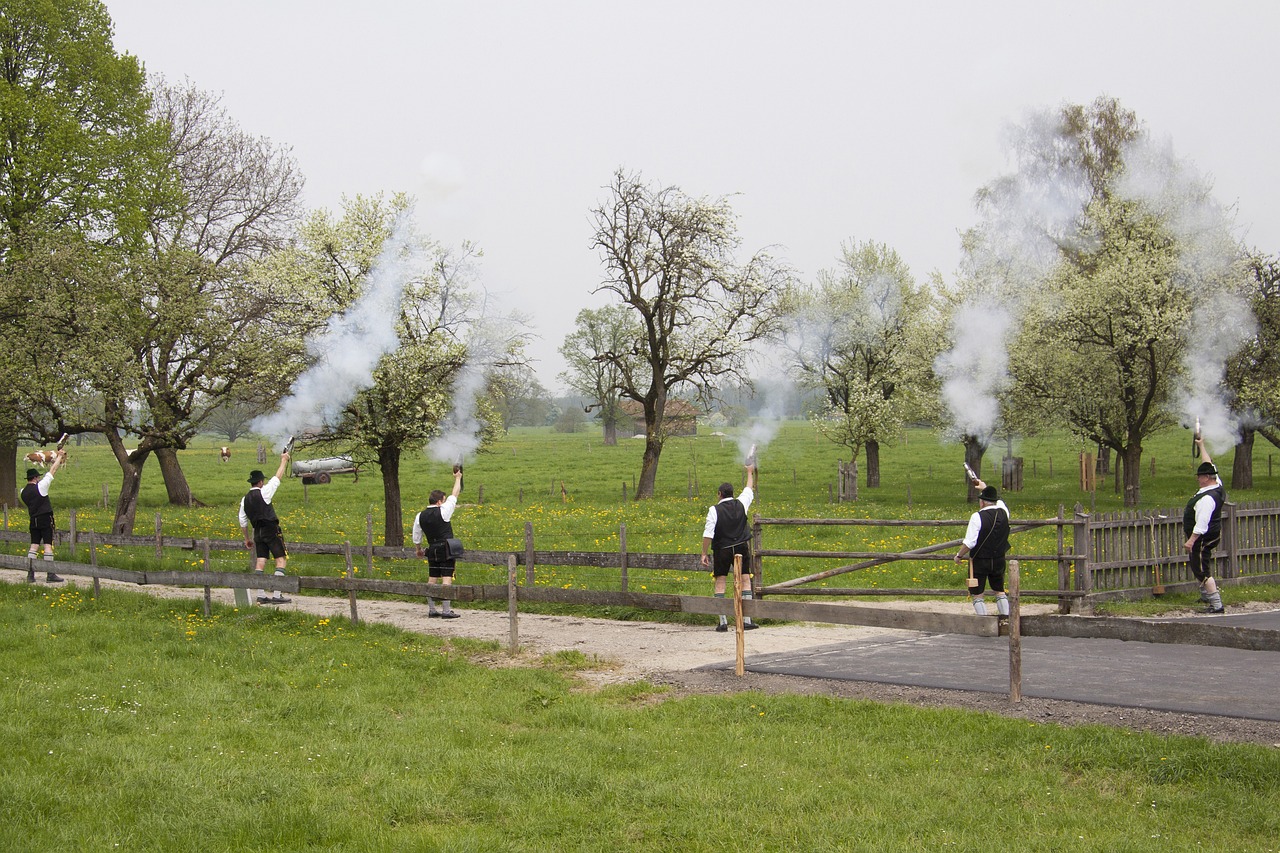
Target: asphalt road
1159 676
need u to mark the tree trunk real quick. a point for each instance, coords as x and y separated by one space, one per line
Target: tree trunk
393 525
974 449
1242 466
175 482
1103 465
611 432
649 467
9 469
1131 463
873 464
131 483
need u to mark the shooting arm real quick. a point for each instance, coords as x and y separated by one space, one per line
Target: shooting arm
751 477
1204 451
284 460
457 483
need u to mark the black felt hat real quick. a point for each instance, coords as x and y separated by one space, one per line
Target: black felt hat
988 494
32 473
1206 469
256 476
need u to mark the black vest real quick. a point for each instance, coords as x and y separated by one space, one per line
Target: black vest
993 535
433 525
258 511
731 524
1219 495
37 504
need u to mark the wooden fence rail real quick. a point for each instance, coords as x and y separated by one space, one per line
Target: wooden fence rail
1099 556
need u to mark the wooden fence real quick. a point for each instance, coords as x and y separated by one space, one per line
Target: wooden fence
1097 556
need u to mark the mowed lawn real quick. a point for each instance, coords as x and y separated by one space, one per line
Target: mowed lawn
131 723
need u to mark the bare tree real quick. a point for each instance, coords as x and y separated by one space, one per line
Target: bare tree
670 259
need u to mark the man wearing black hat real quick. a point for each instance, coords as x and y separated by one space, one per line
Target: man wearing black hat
435 524
725 534
1202 522
256 510
986 542
35 494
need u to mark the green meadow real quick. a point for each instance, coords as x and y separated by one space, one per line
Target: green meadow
136 724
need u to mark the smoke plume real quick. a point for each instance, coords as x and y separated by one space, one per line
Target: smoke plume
347 352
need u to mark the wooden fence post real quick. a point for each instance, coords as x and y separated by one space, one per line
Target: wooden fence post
159 538
740 661
528 553
93 561
1015 635
1081 550
1064 565
351 593
1231 533
368 546
622 547
204 566
71 534
757 561
513 612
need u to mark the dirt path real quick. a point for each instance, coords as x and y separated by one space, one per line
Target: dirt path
671 655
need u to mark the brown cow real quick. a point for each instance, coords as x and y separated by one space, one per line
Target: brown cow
41 458
225 454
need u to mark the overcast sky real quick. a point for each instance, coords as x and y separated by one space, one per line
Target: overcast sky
825 121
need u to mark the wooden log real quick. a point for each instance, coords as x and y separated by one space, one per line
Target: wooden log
1015 636
513 608
351 573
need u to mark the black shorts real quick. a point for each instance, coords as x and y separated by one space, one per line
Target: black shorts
268 540
722 559
988 570
1200 559
439 563
42 530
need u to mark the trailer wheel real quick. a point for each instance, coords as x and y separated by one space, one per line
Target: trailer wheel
322 477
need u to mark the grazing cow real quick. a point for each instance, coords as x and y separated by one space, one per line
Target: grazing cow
225 454
41 458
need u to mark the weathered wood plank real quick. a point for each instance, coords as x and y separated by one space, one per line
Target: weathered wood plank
1145 631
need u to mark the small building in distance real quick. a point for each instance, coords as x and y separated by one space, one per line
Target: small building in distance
680 418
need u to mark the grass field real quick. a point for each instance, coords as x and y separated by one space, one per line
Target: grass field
137 724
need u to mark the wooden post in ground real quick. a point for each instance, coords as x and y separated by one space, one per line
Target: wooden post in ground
93 561
159 539
368 546
351 593
204 567
71 536
513 613
622 553
740 666
528 553
1015 636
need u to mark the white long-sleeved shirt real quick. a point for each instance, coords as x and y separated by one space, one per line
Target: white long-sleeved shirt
1204 509
975 524
446 513
709 529
268 492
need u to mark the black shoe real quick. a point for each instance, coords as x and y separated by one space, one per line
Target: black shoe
1212 610
449 614
262 599
280 599
750 626
31 577
433 615
52 578
722 627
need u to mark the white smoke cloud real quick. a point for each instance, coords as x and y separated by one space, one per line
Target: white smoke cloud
349 349
461 431
1209 269
976 369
